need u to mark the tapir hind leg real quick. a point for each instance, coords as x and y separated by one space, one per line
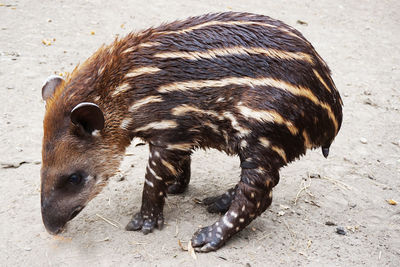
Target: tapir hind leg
252 196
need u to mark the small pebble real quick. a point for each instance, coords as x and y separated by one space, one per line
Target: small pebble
369 102
315 175
367 92
363 140
301 22
340 230
329 223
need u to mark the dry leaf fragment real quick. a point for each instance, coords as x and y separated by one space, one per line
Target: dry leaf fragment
61 238
181 246
191 250
391 202
46 42
197 201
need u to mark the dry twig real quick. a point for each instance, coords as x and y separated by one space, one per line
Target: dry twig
334 181
301 190
107 220
292 234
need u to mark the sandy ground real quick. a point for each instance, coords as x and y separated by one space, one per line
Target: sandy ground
360 40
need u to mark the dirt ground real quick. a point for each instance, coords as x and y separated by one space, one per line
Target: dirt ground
360 41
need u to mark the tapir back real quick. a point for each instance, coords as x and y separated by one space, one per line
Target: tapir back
213 68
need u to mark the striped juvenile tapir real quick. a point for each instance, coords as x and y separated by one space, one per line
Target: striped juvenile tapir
241 83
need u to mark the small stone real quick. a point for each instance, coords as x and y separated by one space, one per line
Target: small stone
28 249
329 223
369 102
301 22
281 213
367 92
120 177
363 140
340 230
284 207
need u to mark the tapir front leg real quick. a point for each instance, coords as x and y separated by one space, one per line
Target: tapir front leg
163 168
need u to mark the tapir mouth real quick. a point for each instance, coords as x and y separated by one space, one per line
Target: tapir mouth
55 225
75 212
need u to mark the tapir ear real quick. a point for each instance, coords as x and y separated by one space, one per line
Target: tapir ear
88 115
50 86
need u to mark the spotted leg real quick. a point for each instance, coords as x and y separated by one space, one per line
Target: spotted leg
253 196
161 172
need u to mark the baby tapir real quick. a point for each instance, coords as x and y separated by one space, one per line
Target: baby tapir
241 83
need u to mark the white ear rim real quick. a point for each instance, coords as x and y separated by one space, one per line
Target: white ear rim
51 77
55 80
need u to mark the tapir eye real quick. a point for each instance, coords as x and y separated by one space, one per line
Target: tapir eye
75 178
